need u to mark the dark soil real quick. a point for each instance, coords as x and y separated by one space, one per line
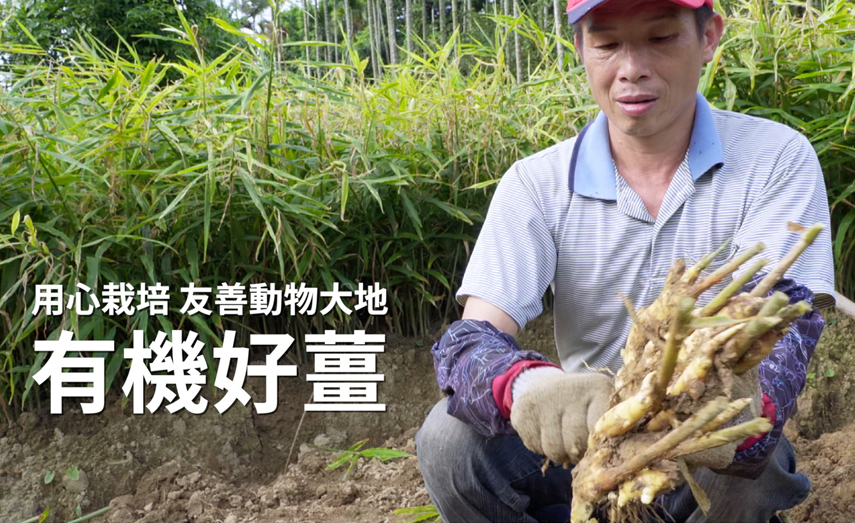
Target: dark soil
232 467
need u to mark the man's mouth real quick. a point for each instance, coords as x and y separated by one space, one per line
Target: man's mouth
636 105
636 98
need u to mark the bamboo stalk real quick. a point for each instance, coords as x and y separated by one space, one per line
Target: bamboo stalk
676 335
766 284
727 268
721 437
610 479
761 324
773 304
727 414
717 303
694 271
845 305
740 344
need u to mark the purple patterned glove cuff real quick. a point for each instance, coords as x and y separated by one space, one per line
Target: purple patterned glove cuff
782 376
467 358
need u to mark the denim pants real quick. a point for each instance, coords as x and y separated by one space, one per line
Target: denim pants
473 479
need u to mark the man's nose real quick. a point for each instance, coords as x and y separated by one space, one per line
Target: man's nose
634 64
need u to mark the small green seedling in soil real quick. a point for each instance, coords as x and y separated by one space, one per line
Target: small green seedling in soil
49 475
811 380
72 473
353 453
422 513
40 518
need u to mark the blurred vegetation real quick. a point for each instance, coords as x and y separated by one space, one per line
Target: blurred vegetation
54 24
254 165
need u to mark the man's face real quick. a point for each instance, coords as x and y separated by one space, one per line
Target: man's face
644 62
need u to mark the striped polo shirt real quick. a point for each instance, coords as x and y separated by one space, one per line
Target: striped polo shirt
565 218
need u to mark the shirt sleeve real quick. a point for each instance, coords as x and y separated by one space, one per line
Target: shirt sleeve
795 192
514 258
782 377
469 357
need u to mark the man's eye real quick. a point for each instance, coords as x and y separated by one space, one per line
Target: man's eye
606 47
660 39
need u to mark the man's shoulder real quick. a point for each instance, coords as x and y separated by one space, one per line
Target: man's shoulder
544 175
554 154
740 131
549 166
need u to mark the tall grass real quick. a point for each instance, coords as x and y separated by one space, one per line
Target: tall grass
795 64
242 172
249 170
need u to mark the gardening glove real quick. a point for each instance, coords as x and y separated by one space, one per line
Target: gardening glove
745 386
554 415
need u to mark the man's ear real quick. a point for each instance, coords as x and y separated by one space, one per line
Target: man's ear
712 36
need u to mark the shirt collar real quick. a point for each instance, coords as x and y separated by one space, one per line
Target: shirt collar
592 171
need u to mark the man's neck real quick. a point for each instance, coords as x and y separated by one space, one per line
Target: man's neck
652 160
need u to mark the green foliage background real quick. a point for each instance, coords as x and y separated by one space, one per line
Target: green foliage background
246 166
54 24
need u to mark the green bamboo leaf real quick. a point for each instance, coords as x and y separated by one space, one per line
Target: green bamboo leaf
842 230
16 220
252 39
175 201
114 79
438 275
409 511
481 185
251 189
256 85
28 33
384 454
412 213
68 159
164 38
34 368
340 460
114 364
344 191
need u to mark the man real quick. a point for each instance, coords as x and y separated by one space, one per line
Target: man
658 175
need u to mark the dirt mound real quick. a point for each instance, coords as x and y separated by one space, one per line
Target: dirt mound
231 467
154 456
828 402
830 464
179 491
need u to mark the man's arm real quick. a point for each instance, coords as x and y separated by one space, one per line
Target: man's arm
480 310
796 193
782 377
476 364
511 266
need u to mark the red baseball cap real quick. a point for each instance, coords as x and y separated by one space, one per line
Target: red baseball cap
576 9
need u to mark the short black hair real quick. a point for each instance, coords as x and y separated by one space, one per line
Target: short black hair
702 16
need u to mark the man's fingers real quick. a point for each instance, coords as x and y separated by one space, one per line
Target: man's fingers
553 417
553 447
534 442
551 437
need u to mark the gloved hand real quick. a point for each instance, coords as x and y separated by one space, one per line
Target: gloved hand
554 416
745 386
